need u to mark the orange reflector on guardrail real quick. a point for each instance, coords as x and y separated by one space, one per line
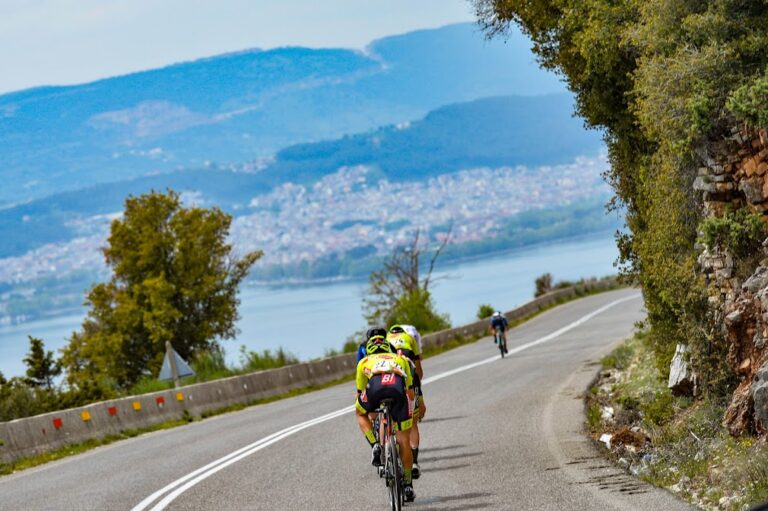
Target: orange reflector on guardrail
85 415
137 406
179 396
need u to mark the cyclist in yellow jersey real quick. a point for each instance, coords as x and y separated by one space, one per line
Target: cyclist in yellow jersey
384 374
408 347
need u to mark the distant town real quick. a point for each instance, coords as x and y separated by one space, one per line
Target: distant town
343 211
348 209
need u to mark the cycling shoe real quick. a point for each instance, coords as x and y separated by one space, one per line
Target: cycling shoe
408 493
376 455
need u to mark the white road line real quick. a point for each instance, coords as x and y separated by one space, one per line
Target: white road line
182 484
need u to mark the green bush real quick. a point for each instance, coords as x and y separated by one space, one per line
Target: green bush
417 308
747 103
148 384
254 361
210 365
484 311
594 416
618 358
740 232
660 409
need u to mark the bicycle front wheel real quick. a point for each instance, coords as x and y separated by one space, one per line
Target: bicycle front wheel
395 483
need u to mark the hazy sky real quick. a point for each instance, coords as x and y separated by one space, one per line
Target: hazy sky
53 42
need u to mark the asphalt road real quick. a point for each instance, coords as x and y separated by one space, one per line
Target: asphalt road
499 434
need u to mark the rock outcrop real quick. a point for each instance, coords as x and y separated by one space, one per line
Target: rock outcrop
734 176
681 379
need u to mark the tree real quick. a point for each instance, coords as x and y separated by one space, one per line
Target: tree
41 366
174 278
398 293
543 284
484 311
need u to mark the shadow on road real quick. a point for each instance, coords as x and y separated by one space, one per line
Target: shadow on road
459 501
428 459
440 419
444 448
449 467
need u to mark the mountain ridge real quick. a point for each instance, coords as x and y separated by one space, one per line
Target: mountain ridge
492 132
54 138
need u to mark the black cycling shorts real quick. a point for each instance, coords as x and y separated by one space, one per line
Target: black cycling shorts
387 386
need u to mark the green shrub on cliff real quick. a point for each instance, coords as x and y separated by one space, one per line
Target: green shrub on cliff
747 103
739 232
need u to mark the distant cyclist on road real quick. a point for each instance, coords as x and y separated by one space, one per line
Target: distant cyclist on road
383 374
499 321
407 346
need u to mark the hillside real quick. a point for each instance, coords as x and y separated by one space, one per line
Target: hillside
493 132
255 103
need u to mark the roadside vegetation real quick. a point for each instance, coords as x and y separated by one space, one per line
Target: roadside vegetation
674 442
664 80
674 86
173 278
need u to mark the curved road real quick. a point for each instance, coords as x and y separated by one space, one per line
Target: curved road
499 434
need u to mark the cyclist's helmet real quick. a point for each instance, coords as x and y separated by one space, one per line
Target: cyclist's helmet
497 314
396 329
377 344
374 331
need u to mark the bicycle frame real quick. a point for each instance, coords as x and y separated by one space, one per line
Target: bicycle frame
500 341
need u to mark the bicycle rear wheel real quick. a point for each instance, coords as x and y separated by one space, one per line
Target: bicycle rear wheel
500 342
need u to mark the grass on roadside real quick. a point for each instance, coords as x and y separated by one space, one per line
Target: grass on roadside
689 452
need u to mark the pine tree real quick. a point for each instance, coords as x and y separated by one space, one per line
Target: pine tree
42 368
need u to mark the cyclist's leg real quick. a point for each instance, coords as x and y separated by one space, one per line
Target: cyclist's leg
406 455
363 409
365 424
414 435
418 413
403 425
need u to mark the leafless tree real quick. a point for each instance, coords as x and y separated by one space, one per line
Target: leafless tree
401 275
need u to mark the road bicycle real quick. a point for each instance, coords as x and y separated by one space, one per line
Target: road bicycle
499 339
392 469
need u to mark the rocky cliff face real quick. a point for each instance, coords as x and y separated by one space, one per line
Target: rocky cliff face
735 176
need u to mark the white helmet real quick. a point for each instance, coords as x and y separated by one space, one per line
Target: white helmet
497 313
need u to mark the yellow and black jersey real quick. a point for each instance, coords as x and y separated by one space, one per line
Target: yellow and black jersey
383 363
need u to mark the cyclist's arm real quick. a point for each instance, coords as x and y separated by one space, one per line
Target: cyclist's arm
406 367
361 380
419 370
417 359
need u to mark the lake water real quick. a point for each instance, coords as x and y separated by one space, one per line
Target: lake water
308 320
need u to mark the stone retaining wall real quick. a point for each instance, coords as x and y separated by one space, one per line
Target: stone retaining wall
34 435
